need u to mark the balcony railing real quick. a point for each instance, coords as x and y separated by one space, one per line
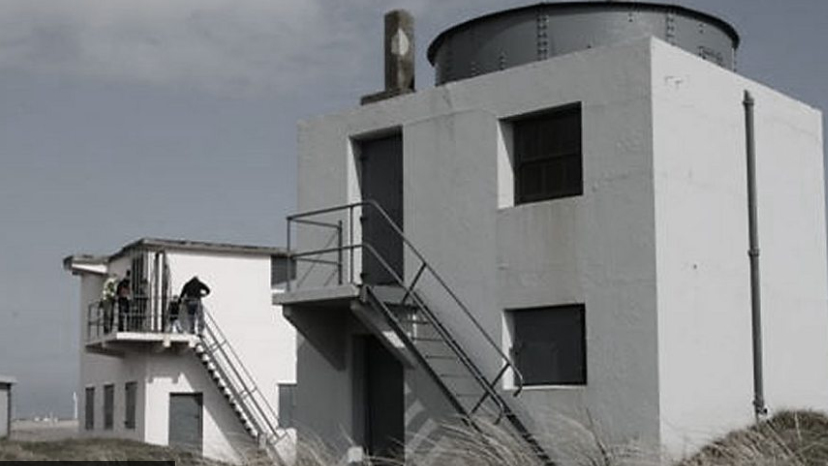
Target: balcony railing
106 318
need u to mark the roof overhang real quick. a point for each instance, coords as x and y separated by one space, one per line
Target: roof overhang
83 264
80 264
7 380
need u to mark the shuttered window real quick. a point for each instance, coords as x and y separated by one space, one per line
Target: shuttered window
109 406
547 155
549 344
130 400
287 404
89 409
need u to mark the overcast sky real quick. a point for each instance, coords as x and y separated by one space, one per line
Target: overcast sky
176 118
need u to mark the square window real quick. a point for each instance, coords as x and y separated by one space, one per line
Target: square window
547 155
549 344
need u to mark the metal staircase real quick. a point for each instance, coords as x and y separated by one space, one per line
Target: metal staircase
233 380
424 314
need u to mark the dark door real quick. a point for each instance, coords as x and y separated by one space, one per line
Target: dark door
382 181
186 421
384 402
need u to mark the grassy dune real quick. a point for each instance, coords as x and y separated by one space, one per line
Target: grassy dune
788 439
95 450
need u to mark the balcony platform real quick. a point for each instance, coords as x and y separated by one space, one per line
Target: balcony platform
329 296
119 343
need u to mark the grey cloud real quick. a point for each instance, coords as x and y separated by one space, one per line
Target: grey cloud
219 45
213 44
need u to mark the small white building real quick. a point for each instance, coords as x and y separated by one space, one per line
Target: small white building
146 377
564 232
6 405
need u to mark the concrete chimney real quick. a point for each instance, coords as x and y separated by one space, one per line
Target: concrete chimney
399 56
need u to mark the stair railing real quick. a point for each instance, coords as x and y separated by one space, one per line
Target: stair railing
241 384
332 218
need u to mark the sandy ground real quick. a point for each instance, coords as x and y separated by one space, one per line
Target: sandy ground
37 431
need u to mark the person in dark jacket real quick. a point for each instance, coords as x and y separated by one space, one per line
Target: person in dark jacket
123 292
191 295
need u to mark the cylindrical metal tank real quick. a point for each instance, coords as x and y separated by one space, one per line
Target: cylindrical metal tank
522 35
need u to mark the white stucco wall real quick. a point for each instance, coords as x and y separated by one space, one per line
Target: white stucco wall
241 304
97 370
705 356
223 436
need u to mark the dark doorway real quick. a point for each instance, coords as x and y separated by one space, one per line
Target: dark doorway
186 421
381 172
381 408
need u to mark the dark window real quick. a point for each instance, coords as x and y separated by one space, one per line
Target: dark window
109 406
130 400
287 404
279 270
547 155
549 344
89 409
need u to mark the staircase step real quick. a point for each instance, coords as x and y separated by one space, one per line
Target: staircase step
444 357
428 339
415 321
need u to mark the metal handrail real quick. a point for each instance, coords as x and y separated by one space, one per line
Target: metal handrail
302 218
97 319
258 410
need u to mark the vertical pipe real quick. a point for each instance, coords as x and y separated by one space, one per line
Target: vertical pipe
759 407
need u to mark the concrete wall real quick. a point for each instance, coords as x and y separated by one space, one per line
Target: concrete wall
655 247
597 248
705 357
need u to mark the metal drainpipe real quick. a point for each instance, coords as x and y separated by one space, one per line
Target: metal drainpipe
759 408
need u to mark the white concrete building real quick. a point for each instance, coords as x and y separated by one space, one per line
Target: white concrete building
6 383
146 377
579 218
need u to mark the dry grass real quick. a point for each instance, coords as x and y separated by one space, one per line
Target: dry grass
96 450
797 438
788 439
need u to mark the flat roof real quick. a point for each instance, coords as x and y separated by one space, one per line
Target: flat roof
200 246
7 380
161 244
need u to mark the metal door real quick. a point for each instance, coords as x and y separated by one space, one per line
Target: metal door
186 421
384 402
381 172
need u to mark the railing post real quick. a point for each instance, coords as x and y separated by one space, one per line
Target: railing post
351 243
339 255
289 257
